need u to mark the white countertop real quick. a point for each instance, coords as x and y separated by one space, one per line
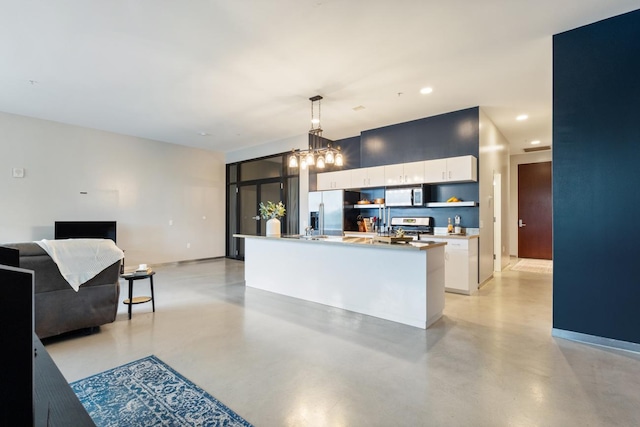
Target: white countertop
421 245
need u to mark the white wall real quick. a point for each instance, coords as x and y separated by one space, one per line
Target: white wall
268 149
494 158
140 183
518 159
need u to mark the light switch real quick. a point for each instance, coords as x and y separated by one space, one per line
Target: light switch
17 172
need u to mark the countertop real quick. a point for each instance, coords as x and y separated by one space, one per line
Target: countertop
363 242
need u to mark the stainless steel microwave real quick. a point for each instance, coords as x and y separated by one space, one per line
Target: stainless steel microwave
407 196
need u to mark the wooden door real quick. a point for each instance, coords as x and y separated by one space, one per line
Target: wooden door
534 211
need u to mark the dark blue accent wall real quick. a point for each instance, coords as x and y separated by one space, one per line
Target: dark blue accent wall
596 177
446 135
350 148
465 191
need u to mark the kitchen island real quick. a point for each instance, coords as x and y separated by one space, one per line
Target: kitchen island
399 282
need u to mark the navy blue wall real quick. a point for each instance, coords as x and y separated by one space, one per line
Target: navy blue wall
436 137
446 135
596 177
350 148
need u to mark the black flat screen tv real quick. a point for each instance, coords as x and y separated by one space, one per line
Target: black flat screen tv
85 230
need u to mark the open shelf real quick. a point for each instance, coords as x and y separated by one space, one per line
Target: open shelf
368 206
450 204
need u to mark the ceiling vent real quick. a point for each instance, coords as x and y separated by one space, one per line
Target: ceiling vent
532 149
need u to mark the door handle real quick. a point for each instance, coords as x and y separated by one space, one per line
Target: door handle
521 224
257 217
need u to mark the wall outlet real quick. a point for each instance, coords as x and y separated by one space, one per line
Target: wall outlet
17 172
170 222
188 245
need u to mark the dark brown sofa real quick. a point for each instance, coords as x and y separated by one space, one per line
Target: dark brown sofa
59 308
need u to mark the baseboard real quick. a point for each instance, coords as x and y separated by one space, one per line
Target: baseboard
485 281
596 340
174 263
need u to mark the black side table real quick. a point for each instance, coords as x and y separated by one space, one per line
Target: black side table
139 300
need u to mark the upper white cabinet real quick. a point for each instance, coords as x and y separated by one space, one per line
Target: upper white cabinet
334 180
435 170
451 169
404 173
368 177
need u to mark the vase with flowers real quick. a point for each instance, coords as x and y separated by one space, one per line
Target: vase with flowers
272 212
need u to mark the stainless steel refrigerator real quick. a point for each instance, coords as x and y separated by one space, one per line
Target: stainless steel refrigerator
331 212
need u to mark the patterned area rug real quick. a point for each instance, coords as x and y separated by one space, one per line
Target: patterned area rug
534 266
147 392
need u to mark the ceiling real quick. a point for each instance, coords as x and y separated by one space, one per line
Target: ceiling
230 74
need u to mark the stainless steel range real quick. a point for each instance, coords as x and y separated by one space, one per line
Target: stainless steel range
412 226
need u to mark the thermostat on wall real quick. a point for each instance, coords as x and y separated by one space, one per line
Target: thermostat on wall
18 172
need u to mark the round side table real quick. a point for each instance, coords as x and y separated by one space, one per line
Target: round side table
131 277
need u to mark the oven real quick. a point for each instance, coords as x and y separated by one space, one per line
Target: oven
413 227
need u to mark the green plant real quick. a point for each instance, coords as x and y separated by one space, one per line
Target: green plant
272 210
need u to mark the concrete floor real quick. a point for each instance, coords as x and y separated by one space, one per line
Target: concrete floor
277 361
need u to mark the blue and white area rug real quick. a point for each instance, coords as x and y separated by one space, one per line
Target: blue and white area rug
148 392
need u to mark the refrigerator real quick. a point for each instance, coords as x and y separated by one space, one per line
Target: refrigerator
331 212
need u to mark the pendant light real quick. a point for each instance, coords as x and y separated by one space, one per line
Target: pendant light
317 155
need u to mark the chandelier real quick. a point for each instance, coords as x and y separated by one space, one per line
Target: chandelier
317 154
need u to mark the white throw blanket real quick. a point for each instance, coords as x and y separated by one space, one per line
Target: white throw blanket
81 259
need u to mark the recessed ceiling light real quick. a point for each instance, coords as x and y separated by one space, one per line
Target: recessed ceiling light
426 90
203 133
522 117
536 142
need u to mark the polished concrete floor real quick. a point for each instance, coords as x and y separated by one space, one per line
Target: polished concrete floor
277 361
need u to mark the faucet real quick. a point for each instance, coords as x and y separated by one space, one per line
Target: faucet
308 231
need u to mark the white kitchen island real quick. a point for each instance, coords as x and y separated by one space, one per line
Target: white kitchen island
399 282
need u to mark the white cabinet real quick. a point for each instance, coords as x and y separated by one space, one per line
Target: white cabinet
368 177
404 173
451 169
460 264
435 170
334 180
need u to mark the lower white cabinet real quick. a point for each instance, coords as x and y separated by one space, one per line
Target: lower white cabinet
460 264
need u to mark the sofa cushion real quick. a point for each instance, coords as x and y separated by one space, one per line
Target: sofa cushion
27 249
